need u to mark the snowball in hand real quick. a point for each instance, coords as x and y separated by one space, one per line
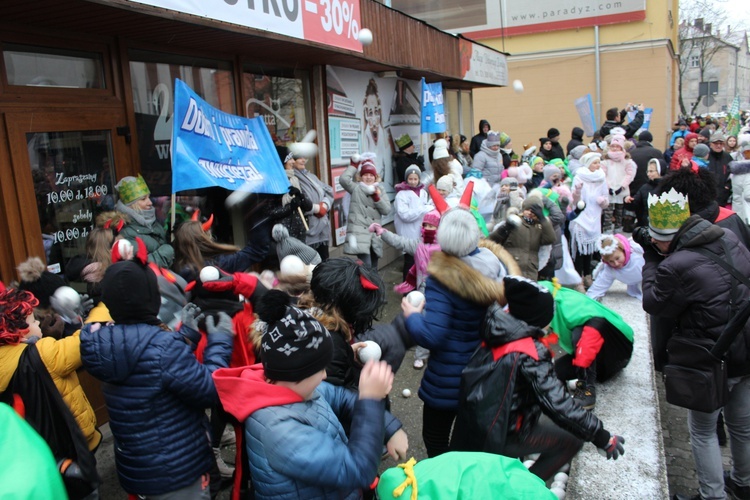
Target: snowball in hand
209 273
371 351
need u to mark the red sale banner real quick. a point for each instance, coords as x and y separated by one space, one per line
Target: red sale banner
332 22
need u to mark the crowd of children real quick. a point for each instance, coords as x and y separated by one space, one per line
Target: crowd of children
487 238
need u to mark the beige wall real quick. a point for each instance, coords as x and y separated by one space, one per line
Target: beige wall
551 86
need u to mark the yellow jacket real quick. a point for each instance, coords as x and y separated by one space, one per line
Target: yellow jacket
61 358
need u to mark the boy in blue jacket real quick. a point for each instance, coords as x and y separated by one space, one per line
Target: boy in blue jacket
295 439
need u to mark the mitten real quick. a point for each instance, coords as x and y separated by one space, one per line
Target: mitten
355 160
376 195
322 211
618 191
611 191
52 326
223 325
376 228
564 203
602 201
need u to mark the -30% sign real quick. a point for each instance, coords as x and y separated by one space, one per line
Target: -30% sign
333 21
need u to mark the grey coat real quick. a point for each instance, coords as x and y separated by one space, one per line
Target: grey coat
363 211
317 192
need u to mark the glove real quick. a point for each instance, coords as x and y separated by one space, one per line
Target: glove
323 211
538 211
355 160
376 228
642 236
52 326
376 195
618 191
191 315
223 325
614 448
564 203
611 192
293 191
87 304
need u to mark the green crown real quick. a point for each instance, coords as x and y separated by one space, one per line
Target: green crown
668 211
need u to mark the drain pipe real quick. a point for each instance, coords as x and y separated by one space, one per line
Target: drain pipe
597 69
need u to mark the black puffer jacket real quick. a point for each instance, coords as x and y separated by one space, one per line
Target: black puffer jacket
723 217
507 396
696 290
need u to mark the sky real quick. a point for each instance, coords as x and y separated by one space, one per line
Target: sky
737 9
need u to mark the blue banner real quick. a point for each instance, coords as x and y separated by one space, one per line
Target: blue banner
213 148
585 108
433 111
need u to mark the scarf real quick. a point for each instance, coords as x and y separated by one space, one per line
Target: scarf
489 152
428 235
144 218
618 156
587 227
404 186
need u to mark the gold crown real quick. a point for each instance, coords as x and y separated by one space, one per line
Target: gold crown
669 211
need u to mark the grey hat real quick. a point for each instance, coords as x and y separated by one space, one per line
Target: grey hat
718 137
412 169
288 245
458 232
701 150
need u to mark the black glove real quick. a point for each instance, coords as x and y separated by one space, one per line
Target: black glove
614 448
293 191
642 236
222 325
611 192
619 190
538 211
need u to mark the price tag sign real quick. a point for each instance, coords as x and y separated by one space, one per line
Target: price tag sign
332 22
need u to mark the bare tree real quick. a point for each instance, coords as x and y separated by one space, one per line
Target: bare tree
701 38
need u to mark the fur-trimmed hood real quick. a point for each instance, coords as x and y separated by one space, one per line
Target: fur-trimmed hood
740 167
469 283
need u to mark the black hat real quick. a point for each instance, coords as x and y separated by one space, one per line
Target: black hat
36 279
131 293
645 136
542 140
295 345
553 132
529 301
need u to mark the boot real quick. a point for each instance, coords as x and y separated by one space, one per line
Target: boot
225 470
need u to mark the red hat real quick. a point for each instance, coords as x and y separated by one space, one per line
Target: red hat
368 167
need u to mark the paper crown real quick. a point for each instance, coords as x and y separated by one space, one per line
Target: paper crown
132 188
404 142
666 213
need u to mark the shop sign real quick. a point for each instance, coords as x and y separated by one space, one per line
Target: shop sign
330 22
482 65
213 148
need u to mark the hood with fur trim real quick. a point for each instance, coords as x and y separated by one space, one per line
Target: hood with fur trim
468 283
740 167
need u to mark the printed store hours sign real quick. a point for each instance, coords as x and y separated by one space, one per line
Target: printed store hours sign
330 22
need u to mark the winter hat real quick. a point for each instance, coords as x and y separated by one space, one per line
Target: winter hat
131 189
577 152
588 159
550 170
553 132
617 131
15 307
294 345
445 183
458 233
529 301
510 181
618 140
284 154
544 140
645 136
131 293
441 149
288 245
504 139
493 138
718 137
36 279
706 133
432 218
701 151
666 214
367 166
412 169
404 142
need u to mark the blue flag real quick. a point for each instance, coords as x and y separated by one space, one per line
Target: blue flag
433 110
213 148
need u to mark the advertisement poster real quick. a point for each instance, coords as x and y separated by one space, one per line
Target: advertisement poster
367 112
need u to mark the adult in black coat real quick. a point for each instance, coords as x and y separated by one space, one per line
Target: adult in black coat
557 150
476 141
576 139
718 164
617 119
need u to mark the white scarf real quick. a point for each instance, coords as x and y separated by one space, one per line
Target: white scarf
587 227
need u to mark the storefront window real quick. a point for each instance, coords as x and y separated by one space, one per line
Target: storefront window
281 99
152 77
72 174
48 67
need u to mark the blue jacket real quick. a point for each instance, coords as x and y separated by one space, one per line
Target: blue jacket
298 449
156 394
456 298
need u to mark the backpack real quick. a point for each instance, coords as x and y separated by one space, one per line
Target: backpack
51 418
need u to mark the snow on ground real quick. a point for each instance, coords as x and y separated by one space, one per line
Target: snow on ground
628 406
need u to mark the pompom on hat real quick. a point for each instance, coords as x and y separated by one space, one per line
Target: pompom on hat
666 214
288 245
404 142
367 166
441 149
529 301
35 278
131 189
589 158
294 345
